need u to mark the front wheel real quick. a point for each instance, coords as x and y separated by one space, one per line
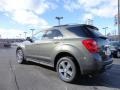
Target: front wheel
20 56
66 69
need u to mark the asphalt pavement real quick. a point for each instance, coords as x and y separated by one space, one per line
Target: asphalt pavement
32 76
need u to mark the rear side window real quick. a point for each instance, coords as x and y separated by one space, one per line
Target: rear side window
48 35
79 31
57 33
85 31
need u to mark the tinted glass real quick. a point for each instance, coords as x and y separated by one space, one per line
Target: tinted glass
49 35
85 31
79 31
93 32
57 33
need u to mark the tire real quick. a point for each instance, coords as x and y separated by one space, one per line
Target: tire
115 54
118 54
20 56
67 69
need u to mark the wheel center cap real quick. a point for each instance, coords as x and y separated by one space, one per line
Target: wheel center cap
65 70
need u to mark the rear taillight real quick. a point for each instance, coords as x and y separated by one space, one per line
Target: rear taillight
91 45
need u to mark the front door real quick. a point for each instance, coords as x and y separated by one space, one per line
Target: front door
43 49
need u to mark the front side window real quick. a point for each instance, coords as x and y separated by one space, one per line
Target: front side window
38 36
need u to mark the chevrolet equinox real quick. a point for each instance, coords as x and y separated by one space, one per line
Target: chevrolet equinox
73 50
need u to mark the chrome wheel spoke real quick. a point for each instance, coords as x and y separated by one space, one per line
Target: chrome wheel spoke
68 66
63 65
65 75
69 73
61 70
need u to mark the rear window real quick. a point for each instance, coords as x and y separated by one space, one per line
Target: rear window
85 31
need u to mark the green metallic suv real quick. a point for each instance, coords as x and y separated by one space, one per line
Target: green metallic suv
73 50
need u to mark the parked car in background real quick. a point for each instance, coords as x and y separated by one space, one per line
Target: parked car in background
7 44
73 50
115 48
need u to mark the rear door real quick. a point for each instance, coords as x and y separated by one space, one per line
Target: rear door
48 43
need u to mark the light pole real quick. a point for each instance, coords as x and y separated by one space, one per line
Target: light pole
89 21
25 34
32 31
105 28
20 35
118 20
59 18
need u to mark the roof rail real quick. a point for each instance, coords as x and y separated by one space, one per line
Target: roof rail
61 25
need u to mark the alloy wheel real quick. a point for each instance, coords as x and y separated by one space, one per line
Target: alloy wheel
65 69
19 56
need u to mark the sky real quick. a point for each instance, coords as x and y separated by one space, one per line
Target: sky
19 16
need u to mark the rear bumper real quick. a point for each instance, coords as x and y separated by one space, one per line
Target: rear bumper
99 66
107 64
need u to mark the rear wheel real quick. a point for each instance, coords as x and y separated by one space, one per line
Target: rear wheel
20 56
66 69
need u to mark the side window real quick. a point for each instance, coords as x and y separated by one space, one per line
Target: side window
48 35
57 34
38 36
78 31
52 34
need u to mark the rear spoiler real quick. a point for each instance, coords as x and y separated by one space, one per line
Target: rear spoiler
90 26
